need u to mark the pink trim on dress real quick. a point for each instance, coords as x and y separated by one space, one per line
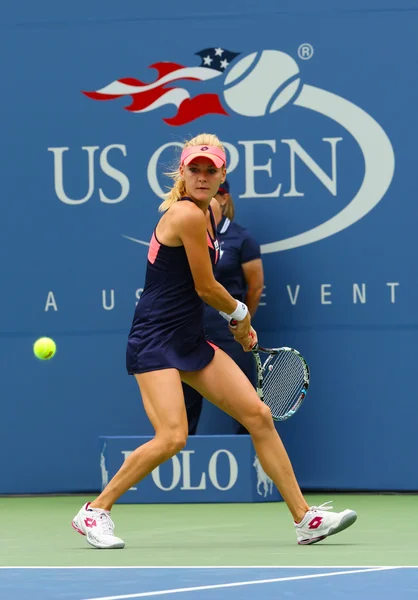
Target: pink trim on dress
214 346
154 248
210 243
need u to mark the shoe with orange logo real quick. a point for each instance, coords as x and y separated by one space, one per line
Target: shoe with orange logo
97 526
318 524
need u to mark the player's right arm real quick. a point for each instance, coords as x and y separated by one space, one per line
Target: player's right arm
190 226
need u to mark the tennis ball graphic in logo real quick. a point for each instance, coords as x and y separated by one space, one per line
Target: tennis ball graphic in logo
261 83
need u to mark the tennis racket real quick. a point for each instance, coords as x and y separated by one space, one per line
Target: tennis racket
282 378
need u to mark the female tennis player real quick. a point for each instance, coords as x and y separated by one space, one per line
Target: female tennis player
167 345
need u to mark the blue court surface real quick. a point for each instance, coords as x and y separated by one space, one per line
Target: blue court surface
208 583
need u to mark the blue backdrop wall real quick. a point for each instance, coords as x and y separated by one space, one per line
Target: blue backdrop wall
317 108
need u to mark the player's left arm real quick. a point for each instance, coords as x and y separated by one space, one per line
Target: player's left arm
252 268
254 277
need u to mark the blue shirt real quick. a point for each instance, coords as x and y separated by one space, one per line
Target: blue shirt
237 247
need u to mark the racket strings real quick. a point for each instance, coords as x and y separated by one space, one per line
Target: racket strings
279 397
283 380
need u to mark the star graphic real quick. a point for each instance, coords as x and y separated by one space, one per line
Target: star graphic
217 59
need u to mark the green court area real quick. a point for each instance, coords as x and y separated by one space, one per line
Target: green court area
36 531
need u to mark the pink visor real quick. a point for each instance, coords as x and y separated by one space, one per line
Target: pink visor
216 155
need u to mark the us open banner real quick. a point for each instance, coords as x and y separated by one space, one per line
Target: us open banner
316 104
209 469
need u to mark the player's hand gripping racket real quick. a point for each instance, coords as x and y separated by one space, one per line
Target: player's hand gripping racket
282 378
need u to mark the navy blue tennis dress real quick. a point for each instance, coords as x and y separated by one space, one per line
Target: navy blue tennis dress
167 329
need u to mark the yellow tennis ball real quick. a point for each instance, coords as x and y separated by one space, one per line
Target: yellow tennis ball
44 348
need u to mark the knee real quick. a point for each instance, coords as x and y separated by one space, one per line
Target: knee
260 419
177 442
172 442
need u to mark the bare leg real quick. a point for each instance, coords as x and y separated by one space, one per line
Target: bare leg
225 385
163 400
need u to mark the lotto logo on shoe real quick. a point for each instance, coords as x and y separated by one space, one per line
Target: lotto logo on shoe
315 523
90 522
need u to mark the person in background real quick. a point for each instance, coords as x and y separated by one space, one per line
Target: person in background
240 271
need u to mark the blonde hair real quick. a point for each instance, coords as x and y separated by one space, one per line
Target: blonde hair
228 209
179 189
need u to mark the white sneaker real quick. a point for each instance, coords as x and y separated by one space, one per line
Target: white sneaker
97 526
318 524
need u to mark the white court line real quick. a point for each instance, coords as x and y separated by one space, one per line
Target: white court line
215 567
238 584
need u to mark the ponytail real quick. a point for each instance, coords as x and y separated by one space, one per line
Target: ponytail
177 191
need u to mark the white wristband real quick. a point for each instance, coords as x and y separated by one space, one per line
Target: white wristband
239 313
